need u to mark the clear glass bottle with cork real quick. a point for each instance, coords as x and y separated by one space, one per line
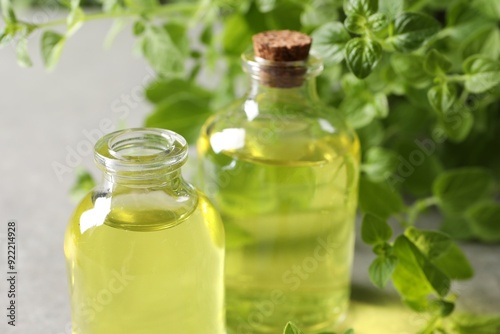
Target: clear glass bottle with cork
144 249
283 171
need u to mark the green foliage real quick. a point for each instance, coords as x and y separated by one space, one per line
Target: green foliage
418 80
375 230
379 199
52 44
411 30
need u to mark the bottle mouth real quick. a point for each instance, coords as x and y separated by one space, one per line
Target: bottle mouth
140 152
279 72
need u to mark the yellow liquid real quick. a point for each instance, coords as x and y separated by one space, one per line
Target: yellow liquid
145 270
288 208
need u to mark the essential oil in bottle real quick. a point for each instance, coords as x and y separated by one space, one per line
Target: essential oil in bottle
283 171
145 249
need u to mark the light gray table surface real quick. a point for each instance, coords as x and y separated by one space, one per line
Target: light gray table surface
43 115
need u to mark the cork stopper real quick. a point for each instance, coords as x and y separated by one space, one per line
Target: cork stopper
281 50
282 45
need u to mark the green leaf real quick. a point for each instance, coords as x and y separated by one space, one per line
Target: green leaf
356 24
83 184
266 5
415 277
375 230
379 199
207 35
459 189
436 63
377 22
379 163
477 324
161 90
360 7
8 13
110 5
329 41
445 307
362 108
352 85
291 328
161 52
138 28
52 44
182 111
457 123
371 135
391 8
442 97
319 12
236 35
454 264
381 270
486 42
488 8
362 56
23 58
431 243
286 14
485 221
4 37
178 34
409 68
457 226
482 74
411 30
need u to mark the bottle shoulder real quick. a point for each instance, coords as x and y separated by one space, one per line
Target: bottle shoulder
140 210
290 133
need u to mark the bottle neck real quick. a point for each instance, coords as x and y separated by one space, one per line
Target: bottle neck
287 82
170 180
306 91
141 158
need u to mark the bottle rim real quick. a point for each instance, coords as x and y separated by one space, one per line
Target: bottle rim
140 152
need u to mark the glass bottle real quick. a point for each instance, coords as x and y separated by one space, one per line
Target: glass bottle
283 171
144 249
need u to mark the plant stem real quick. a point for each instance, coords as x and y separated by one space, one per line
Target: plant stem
157 11
456 78
419 206
431 325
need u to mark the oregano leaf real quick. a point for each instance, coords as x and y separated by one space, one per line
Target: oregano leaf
485 221
161 52
436 63
482 74
364 8
411 30
291 328
329 41
362 56
355 23
457 190
381 269
442 97
23 58
52 44
375 230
